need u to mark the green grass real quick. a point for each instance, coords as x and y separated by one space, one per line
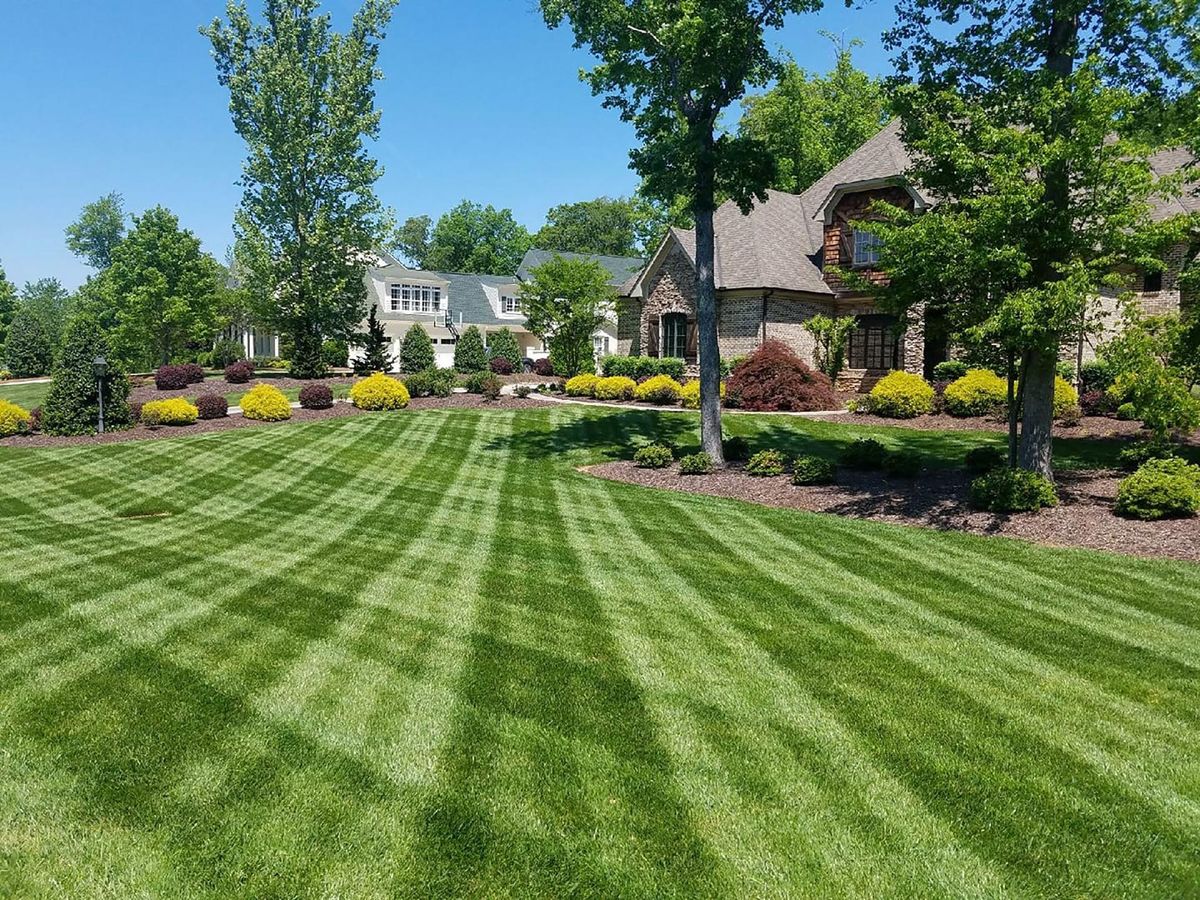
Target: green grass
417 654
25 395
31 395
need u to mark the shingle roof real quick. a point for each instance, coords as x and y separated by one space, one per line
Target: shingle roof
619 268
1168 162
468 297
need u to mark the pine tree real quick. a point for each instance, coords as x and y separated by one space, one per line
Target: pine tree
73 404
416 353
469 353
503 345
376 347
28 352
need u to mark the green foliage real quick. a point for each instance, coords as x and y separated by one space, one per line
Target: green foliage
376 347
8 305
810 123
1066 398
1160 489
981 460
809 469
637 367
29 351
490 386
302 97
225 353
14 419
696 464
470 355
903 463
1139 452
47 299
662 390
564 303
412 240
416 350
1127 412
1007 490
864 453
901 395
1152 372
655 456
765 464
831 336
475 238
335 354
980 392
1097 375
162 290
72 406
99 229
609 227
950 370
431 383
736 448
503 344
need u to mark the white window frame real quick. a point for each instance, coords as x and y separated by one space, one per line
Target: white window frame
510 306
601 344
866 248
425 299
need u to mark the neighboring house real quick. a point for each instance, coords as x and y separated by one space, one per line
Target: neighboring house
776 268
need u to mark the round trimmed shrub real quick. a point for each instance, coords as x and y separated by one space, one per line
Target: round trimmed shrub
582 385
736 449
765 464
266 403
1066 398
661 390
14 420
174 412
431 383
490 386
813 470
1095 403
950 370
903 464
689 394
864 453
901 395
981 460
1127 412
173 378
194 373
617 387
981 392
212 406
655 456
1012 490
379 392
1160 489
696 464
1097 375
1139 452
543 367
500 366
239 372
774 378
316 396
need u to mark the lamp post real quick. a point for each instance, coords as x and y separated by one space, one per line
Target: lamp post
99 368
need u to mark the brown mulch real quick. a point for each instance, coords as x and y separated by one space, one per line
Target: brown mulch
145 392
474 401
1083 518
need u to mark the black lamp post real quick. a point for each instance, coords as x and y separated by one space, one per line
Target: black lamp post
99 368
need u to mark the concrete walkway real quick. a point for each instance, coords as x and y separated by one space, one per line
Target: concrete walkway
645 406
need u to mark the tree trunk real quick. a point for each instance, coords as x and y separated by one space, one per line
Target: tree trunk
706 306
1037 393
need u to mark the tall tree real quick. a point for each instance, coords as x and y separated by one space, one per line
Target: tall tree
612 227
50 302
413 239
810 123
28 351
163 290
1018 116
98 230
8 304
479 239
565 302
302 96
672 69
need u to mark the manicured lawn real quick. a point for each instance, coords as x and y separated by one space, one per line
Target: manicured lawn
417 654
25 395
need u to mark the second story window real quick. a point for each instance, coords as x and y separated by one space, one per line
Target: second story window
866 248
417 298
510 305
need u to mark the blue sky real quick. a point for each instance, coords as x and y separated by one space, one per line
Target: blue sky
96 97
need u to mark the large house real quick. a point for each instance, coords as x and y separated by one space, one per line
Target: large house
777 267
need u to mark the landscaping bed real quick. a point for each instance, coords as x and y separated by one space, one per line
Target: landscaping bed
1088 427
938 499
146 391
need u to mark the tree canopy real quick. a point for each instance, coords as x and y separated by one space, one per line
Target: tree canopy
99 229
8 304
470 238
50 303
624 226
565 301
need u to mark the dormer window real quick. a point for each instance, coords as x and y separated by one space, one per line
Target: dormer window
417 298
866 248
510 305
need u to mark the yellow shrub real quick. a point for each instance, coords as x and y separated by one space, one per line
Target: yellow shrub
689 394
901 395
582 385
266 404
13 419
176 411
1065 396
618 387
980 392
661 389
379 392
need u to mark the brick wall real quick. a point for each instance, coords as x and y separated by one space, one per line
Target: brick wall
739 325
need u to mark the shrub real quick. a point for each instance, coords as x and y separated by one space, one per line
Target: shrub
239 372
1012 490
638 367
29 349
135 412
736 449
813 470
662 390
73 403
1097 375
1065 370
176 411
903 463
416 350
1126 412
696 464
523 391
1071 416
35 419
379 392
543 367
980 392
981 460
14 420
950 370
1133 456
500 366
901 395
775 378
1066 398
225 353
431 383
655 456
266 403
830 337
1095 403
617 387
212 406
489 386
194 372
335 354
582 386
1160 489
765 464
316 396
173 378
469 353
503 344
864 453
689 394
6 375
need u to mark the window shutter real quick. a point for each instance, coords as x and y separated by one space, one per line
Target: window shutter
652 342
692 350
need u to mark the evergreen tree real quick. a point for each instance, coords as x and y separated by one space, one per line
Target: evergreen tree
503 345
469 353
416 352
8 305
29 351
72 406
376 347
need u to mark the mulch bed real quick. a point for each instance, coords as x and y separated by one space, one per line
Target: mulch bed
1083 518
145 392
474 401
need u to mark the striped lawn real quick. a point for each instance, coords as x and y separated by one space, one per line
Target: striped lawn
417 654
